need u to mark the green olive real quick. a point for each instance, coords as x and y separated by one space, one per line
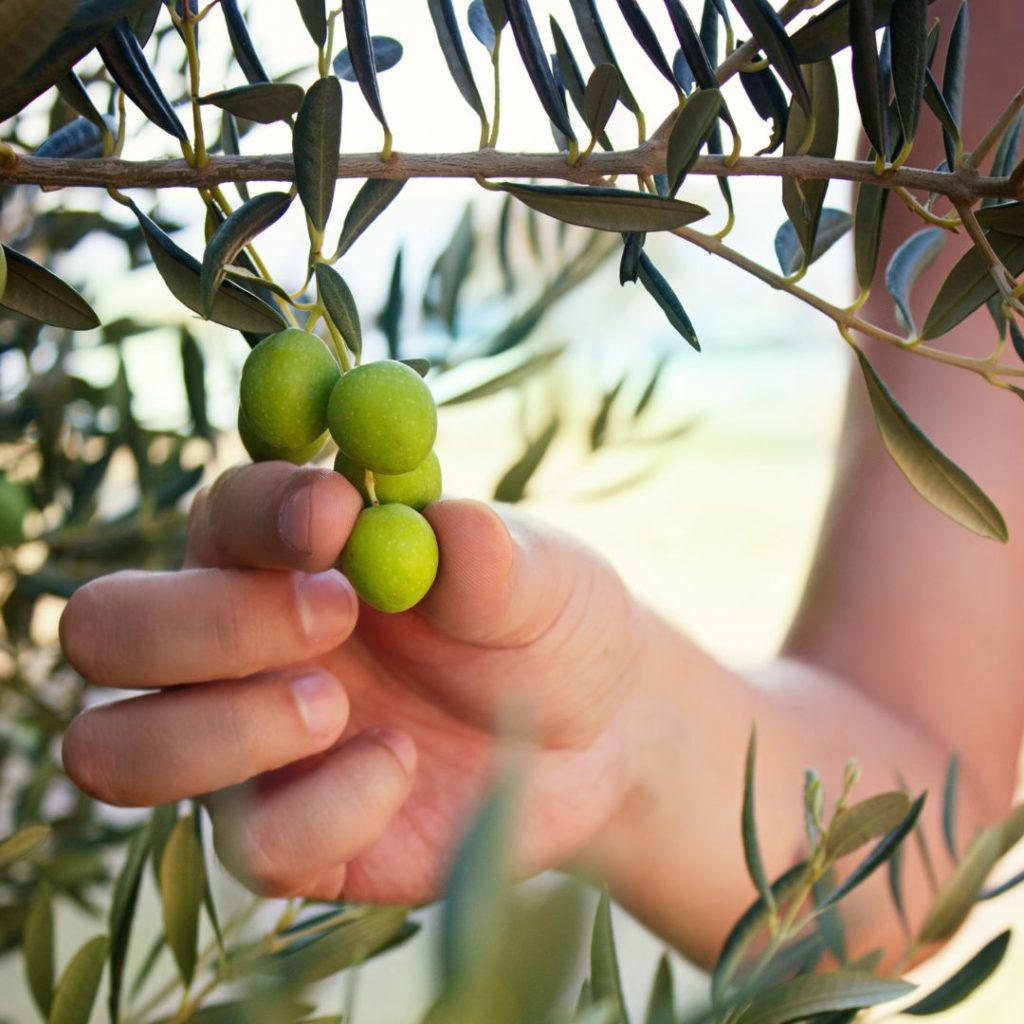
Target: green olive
416 489
383 417
391 557
260 451
286 386
14 503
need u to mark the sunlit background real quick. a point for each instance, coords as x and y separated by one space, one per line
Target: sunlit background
715 529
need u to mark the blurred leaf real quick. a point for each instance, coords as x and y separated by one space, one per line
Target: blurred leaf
450 40
931 473
829 922
867 231
595 41
606 209
769 101
909 27
480 24
421 366
149 961
834 224
909 261
242 44
881 852
600 95
599 428
27 28
751 846
76 992
1002 887
78 139
316 142
648 40
768 31
387 52
854 826
341 306
123 57
390 319
233 305
957 988
37 947
314 17
661 1003
949 800
691 131
523 370
953 79
661 291
34 291
970 283
362 55
804 200
375 195
512 486
1007 218
895 876
234 235
960 891
1007 153
605 980
813 994
648 393
23 844
450 271
182 880
263 102
122 912
867 74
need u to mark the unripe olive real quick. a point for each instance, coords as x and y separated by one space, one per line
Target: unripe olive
416 489
286 385
260 451
14 503
391 557
383 417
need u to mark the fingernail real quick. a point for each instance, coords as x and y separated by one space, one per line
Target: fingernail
326 604
399 743
319 700
295 521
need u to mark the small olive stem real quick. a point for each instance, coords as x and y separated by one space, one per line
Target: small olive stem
188 30
991 138
741 56
1005 281
339 343
371 487
492 140
922 211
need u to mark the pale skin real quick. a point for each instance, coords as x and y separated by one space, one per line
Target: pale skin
906 649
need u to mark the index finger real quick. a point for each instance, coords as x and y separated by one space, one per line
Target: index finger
272 515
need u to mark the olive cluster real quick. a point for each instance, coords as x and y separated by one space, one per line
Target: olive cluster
383 419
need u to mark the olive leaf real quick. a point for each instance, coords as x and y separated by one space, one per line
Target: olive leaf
834 224
182 881
387 52
770 34
523 369
79 984
316 141
122 912
480 24
80 139
512 486
953 78
769 101
23 844
599 49
37 947
868 218
372 199
264 102
691 45
629 264
38 293
340 305
600 95
361 55
605 977
661 291
812 994
25 33
242 44
909 261
599 427
645 35
751 846
909 28
691 130
314 17
450 40
949 801
867 74
568 73
871 818
661 1003
963 983
72 90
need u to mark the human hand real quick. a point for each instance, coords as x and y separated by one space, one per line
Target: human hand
341 750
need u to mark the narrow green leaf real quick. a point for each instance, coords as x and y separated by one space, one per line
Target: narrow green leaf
264 102
769 101
931 473
909 261
421 366
829 32
480 24
449 273
23 844
568 73
37 947
661 291
78 139
868 219
340 305
813 994
599 428
828 921
390 318
242 44
76 992
691 131
661 1003
233 235
949 801
600 95
161 824
599 49
35 292
970 283
522 370
233 305
767 29
909 28
149 961
26 33
605 977
360 51
854 826
512 486
751 846
450 40
316 142
314 17
1007 218
1007 153
122 913
3 269
375 195
606 209
960 891
879 854
834 224
971 976
387 52
1002 887
74 94
895 878
692 45
953 78
182 880
937 104
867 74
645 35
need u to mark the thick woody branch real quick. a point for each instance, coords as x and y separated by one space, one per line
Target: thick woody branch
964 185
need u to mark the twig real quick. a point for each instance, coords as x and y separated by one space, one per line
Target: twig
995 133
1005 281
